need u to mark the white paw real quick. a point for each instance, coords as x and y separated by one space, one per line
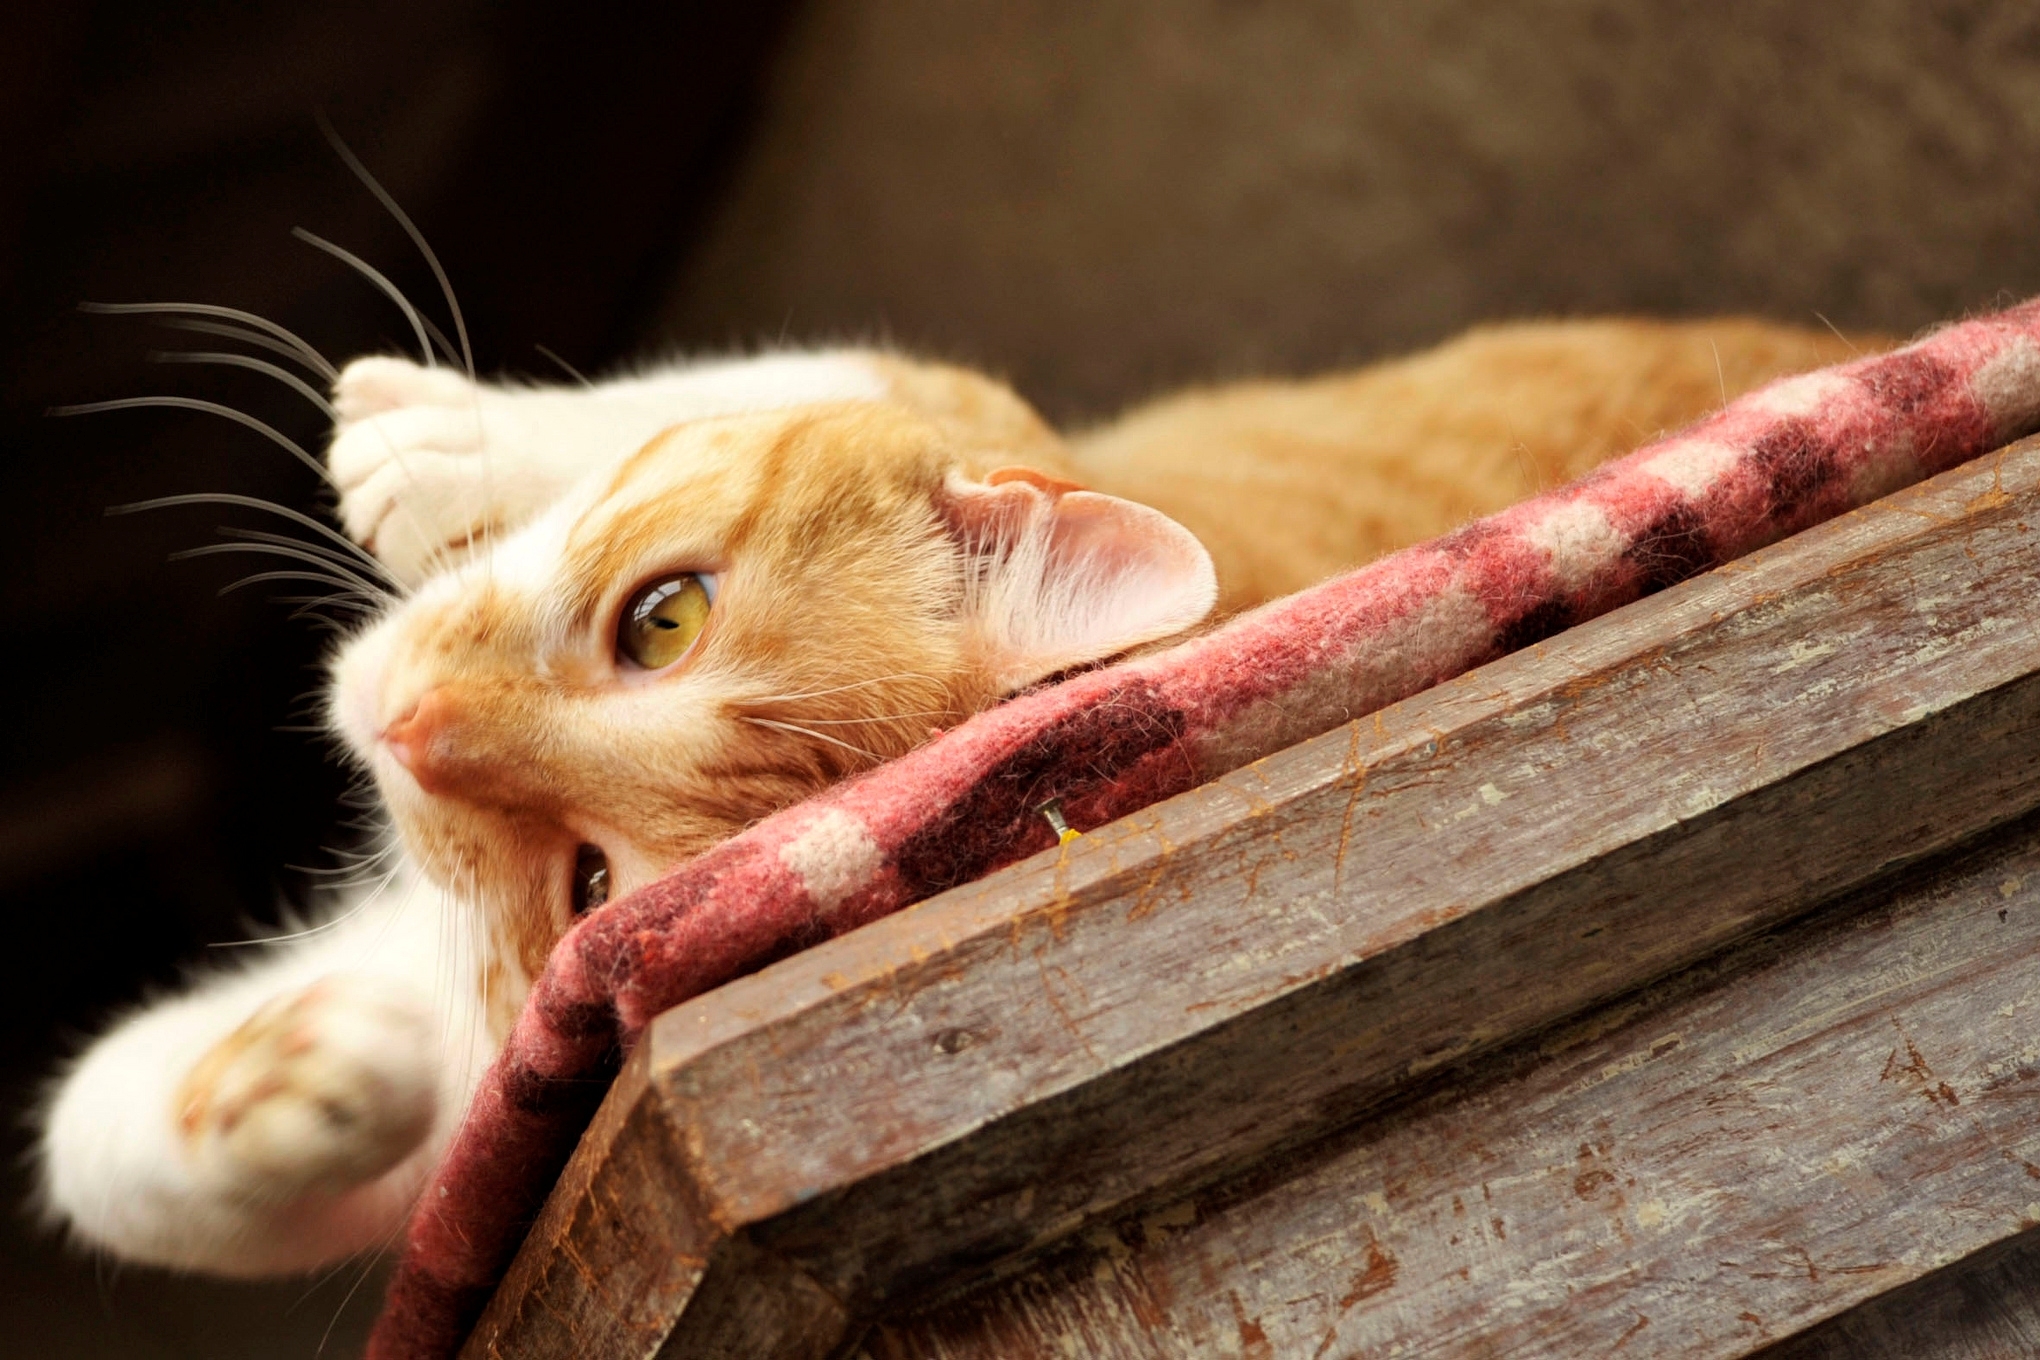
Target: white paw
414 456
324 1089
370 386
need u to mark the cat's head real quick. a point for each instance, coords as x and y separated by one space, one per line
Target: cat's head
741 613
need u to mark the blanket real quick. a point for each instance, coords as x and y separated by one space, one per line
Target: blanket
1110 741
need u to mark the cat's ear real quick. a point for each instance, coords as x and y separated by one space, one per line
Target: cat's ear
1056 576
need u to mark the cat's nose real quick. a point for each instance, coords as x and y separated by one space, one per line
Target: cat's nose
417 739
460 742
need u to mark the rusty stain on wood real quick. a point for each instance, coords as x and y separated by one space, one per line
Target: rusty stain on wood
1757 1175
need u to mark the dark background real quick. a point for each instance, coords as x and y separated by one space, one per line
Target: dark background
1098 201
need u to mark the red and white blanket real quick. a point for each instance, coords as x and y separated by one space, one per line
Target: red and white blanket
1114 740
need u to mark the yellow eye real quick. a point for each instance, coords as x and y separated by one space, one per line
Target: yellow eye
661 621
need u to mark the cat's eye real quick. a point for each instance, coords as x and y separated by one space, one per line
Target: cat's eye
662 619
591 879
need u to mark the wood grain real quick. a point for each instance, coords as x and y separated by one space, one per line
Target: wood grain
1721 1160
1985 1306
1238 971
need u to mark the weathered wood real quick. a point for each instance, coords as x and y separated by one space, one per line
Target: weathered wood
1756 1144
1246 967
633 1246
1984 1307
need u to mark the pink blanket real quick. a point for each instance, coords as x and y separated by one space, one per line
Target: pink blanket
1114 740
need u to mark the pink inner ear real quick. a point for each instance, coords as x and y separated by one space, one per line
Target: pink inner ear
1112 537
999 507
1065 577
976 514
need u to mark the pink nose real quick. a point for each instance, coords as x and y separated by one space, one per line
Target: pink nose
418 738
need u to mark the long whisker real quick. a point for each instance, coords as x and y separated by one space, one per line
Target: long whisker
319 929
341 576
884 717
1839 336
798 730
324 554
361 1277
312 607
284 376
269 432
576 374
382 282
334 871
308 609
833 689
255 503
319 362
248 337
382 195
260 577
356 861
284 545
323 1278
467 353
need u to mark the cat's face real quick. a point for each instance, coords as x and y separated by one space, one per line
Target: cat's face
744 611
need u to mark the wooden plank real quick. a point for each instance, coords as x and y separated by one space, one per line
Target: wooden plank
632 1250
1259 961
1984 1307
1758 1143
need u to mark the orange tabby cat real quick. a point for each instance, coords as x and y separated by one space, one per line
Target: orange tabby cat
640 616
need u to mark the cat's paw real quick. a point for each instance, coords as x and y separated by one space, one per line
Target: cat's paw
376 384
414 456
322 1089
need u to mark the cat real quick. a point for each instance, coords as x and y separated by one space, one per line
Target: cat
625 621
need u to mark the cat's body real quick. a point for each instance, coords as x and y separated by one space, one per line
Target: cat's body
661 608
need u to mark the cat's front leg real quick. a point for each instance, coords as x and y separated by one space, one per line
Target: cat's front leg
276 1119
430 464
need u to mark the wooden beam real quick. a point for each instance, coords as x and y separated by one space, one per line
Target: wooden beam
1985 1306
1249 967
1721 1160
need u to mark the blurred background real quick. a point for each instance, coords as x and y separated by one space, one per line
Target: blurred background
1098 201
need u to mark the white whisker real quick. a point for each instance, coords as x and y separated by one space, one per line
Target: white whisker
289 379
403 219
313 931
310 603
299 346
342 560
324 1278
308 612
835 689
798 730
259 577
274 435
367 1268
341 577
1838 334
382 282
248 337
256 503
885 717
572 372
343 876
466 357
